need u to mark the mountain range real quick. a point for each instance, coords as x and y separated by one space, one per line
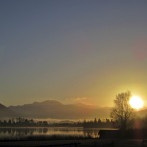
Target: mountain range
56 110
5 112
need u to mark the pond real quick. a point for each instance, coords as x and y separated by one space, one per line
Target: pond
48 131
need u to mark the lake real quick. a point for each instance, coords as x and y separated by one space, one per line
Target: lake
48 131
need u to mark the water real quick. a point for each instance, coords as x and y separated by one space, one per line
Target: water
48 131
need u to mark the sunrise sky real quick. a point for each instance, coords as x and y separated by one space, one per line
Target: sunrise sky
72 50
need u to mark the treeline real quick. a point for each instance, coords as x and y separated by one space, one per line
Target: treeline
24 122
98 123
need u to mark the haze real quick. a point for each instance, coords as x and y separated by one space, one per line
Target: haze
72 51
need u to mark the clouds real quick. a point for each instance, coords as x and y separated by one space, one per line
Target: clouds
82 100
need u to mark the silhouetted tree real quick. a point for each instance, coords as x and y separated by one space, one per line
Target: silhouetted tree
122 111
95 121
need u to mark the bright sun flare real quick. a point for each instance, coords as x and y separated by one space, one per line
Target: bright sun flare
136 102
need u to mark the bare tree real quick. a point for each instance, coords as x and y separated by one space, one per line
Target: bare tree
122 111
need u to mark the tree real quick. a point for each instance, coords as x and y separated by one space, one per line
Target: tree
122 111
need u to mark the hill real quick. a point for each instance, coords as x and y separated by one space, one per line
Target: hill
56 110
5 112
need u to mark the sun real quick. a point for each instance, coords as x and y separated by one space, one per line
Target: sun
136 102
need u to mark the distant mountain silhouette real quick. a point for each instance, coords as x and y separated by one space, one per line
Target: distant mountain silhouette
5 112
56 110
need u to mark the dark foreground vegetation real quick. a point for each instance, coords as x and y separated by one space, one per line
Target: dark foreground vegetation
76 143
120 134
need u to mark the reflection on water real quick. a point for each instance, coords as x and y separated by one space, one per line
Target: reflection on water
23 132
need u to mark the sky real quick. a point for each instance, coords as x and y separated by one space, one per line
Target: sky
72 51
